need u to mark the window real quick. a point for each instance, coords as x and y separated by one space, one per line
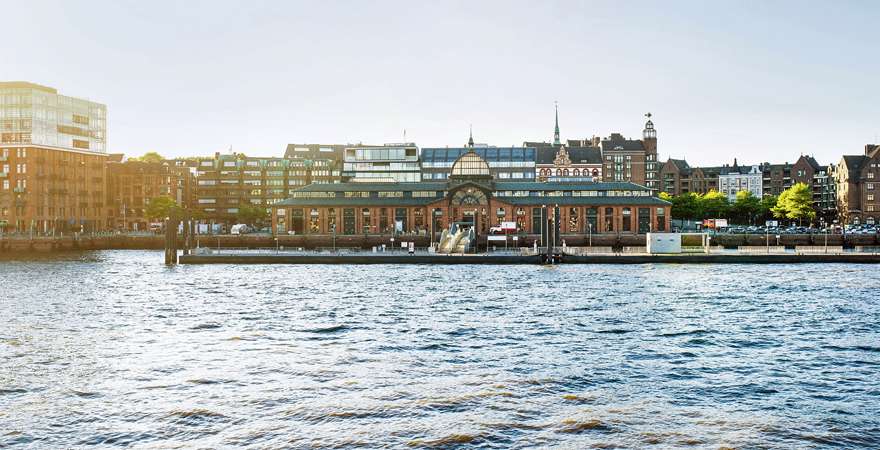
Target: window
348 221
400 224
537 216
661 219
365 220
627 220
644 220
869 186
609 219
573 222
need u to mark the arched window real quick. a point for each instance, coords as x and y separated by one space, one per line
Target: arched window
869 220
565 172
576 172
558 172
595 173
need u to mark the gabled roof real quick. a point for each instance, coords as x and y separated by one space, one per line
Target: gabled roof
577 155
853 164
812 162
683 167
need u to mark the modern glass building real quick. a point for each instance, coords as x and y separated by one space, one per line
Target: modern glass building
387 163
31 114
505 163
52 154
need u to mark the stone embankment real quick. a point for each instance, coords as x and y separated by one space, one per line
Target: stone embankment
23 244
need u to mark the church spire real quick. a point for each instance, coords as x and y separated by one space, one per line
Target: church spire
556 140
471 138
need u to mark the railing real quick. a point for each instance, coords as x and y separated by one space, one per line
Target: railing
818 249
586 251
757 249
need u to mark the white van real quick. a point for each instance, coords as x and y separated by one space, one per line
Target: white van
240 228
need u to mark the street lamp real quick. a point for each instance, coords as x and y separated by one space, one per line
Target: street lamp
590 227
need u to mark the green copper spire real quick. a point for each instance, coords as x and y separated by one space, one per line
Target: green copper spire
556 130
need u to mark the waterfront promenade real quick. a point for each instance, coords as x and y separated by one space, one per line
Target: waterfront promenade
12 244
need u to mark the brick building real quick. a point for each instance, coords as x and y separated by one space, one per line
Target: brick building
632 160
471 196
678 177
858 180
52 161
226 182
131 185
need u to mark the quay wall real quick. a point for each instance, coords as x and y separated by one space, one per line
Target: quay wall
9 244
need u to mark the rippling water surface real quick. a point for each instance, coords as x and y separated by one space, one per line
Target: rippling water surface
113 348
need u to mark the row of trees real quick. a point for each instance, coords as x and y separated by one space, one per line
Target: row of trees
162 207
795 203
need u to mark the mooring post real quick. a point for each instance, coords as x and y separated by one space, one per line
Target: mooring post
171 240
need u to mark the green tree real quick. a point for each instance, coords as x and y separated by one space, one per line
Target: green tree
150 157
765 208
160 207
684 206
795 203
252 215
746 207
713 205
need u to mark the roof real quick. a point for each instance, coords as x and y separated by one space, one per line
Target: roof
854 164
617 142
26 85
568 200
470 165
683 167
314 151
499 186
812 162
490 154
577 155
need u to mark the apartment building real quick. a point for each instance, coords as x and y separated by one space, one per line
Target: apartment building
53 150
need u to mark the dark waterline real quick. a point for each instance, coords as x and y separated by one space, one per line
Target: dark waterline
114 348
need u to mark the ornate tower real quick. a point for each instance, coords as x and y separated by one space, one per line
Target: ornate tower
471 138
556 140
649 134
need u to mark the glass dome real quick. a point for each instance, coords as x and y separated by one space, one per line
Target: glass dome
470 165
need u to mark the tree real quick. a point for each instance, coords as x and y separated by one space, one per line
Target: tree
713 205
160 207
252 215
150 157
684 206
745 207
795 203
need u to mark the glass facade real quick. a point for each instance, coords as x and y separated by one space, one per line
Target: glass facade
391 162
513 163
38 115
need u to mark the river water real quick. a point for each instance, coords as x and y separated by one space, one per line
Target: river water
113 348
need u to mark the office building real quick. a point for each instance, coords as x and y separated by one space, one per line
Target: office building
53 150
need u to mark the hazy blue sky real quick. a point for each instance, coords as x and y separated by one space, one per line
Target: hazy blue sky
761 80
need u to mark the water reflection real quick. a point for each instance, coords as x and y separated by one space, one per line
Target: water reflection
113 348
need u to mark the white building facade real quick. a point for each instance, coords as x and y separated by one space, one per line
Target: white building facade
734 179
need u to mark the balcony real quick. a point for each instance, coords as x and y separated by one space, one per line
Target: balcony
3 175
4 158
19 190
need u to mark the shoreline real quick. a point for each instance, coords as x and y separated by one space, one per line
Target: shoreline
488 259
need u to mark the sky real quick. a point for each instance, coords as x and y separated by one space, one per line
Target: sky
756 80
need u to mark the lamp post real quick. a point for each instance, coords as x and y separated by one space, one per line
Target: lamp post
590 227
